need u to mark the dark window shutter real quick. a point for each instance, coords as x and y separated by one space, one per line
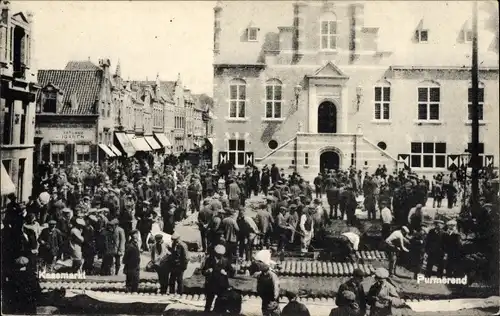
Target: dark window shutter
93 152
69 151
46 152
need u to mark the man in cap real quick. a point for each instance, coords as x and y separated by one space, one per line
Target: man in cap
178 264
51 242
382 295
417 250
114 240
265 222
394 244
434 247
415 217
204 218
132 262
306 228
89 247
21 291
386 216
268 288
452 244
216 270
282 229
75 244
160 263
294 308
230 231
349 307
354 286
318 185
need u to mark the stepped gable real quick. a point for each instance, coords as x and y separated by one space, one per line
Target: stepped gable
167 88
84 85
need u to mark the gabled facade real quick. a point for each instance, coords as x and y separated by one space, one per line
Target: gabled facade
313 85
18 90
75 116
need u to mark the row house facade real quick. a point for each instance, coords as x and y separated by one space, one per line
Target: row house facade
313 85
75 114
17 102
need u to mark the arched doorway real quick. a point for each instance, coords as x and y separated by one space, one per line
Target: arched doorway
327 117
329 160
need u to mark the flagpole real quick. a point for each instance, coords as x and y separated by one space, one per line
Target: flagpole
475 115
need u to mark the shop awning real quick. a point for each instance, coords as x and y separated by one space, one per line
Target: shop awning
8 186
115 150
163 140
126 144
139 143
152 142
107 150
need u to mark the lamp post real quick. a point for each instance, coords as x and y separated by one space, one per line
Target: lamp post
465 158
297 90
475 115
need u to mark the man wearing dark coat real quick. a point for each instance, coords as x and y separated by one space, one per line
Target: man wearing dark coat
294 308
353 285
132 262
216 270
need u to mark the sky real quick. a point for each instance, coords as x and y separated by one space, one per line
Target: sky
146 37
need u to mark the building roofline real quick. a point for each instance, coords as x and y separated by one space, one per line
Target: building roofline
222 65
67 114
464 68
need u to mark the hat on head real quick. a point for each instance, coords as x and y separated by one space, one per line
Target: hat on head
134 231
86 197
317 201
114 221
358 273
451 223
381 273
293 206
290 295
283 208
438 221
158 237
22 261
175 236
220 249
419 206
349 296
405 229
80 221
93 218
270 198
66 210
52 222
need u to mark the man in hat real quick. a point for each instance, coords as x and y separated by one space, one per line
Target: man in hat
452 244
294 308
230 233
350 205
353 285
417 250
204 218
132 262
178 263
282 229
51 242
89 247
268 288
247 234
21 291
114 247
386 216
382 295
234 193
216 270
160 262
306 228
349 307
75 244
265 222
318 185
394 244
434 247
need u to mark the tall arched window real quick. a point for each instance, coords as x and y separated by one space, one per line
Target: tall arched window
237 98
328 32
429 98
273 98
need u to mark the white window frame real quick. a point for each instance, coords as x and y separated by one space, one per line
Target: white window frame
236 152
428 102
480 103
419 36
251 38
381 103
81 149
274 102
330 18
422 154
239 84
55 149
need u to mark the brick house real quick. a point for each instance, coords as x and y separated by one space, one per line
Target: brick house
312 85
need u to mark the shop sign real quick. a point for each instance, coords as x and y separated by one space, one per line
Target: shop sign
69 135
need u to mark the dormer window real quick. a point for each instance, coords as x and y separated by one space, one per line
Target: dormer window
252 33
50 103
422 36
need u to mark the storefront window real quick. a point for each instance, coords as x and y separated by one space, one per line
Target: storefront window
82 153
57 153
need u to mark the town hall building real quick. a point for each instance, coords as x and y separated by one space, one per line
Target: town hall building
312 85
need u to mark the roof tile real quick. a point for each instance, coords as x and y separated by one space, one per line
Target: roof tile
81 65
84 84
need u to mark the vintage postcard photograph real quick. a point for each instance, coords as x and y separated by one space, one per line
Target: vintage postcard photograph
251 158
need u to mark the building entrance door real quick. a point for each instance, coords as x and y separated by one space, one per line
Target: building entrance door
329 160
327 118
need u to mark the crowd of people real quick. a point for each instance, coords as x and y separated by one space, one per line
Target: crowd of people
117 210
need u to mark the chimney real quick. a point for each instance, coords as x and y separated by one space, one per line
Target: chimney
104 63
217 27
356 24
299 15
